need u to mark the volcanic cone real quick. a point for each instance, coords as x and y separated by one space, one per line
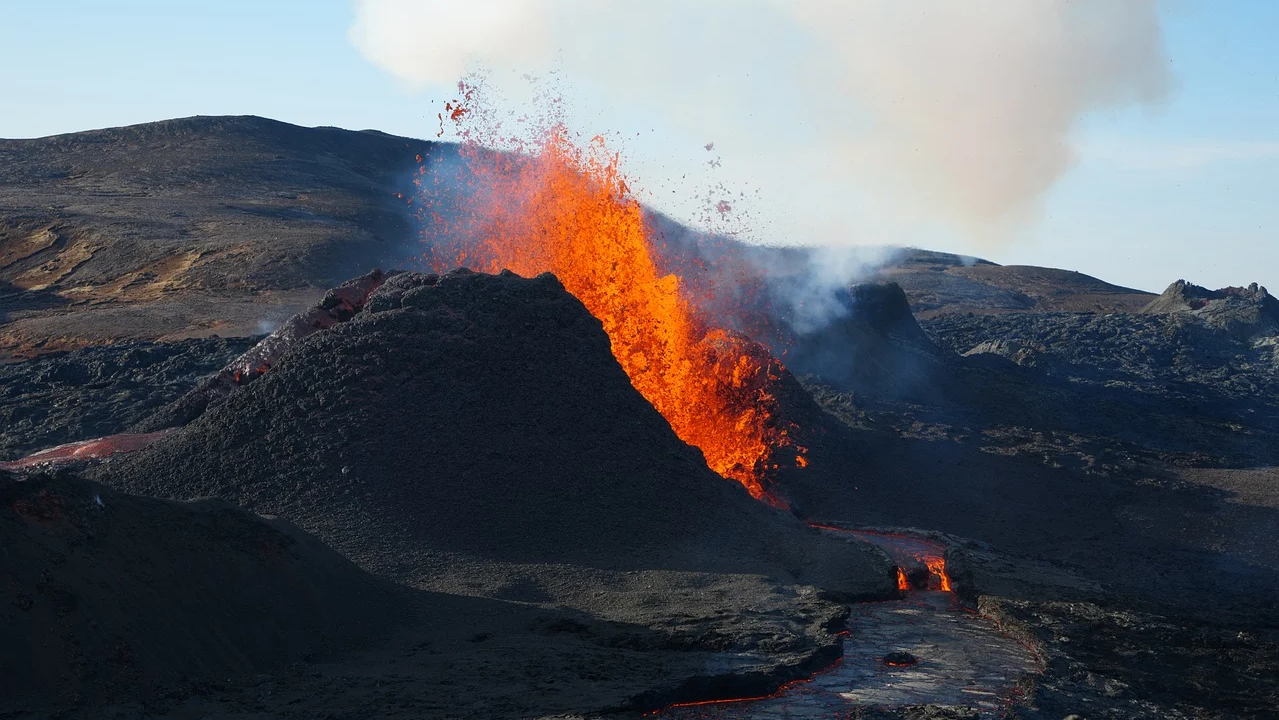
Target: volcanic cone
483 418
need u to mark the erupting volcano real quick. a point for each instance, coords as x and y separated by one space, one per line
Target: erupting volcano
567 209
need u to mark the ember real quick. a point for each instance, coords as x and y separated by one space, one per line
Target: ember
568 210
900 658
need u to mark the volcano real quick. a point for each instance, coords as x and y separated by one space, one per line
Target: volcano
577 525
483 416
474 434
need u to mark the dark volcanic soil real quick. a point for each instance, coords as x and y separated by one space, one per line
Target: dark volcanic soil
121 606
106 596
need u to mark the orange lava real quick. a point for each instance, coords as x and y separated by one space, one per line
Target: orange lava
566 209
905 549
937 566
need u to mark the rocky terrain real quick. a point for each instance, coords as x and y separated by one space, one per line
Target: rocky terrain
1101 461
1133 451
76 395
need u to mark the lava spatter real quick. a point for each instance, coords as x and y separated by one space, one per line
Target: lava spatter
559 206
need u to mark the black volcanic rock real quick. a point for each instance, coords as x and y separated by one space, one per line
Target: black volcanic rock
339 304
104 595
485 417
1243 311
87 393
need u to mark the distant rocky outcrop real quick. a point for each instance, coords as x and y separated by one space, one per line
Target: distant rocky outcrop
1242 311
1008 349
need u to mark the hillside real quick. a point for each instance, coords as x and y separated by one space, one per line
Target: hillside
940 283
189 227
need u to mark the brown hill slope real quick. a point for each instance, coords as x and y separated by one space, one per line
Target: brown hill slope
188 227
938 283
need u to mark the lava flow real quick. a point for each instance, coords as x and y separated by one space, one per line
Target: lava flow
95 449
566 209
937 569
921 563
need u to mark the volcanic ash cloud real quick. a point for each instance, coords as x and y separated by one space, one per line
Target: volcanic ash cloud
960 111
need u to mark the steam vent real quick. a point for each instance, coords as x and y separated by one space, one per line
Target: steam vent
307 422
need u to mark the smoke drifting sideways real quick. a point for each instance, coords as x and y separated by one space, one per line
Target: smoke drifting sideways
852 122
467 195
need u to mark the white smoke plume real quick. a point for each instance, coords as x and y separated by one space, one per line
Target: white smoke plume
840 111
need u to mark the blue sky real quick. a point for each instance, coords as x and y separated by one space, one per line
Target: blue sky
1188 189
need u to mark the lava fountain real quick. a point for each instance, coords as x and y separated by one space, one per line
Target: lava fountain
560 206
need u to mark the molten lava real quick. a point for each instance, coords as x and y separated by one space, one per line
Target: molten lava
909 552
781 691
567 209
900 658
937 566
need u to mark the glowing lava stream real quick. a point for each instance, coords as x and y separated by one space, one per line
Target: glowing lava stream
905 550
568 210
924 649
